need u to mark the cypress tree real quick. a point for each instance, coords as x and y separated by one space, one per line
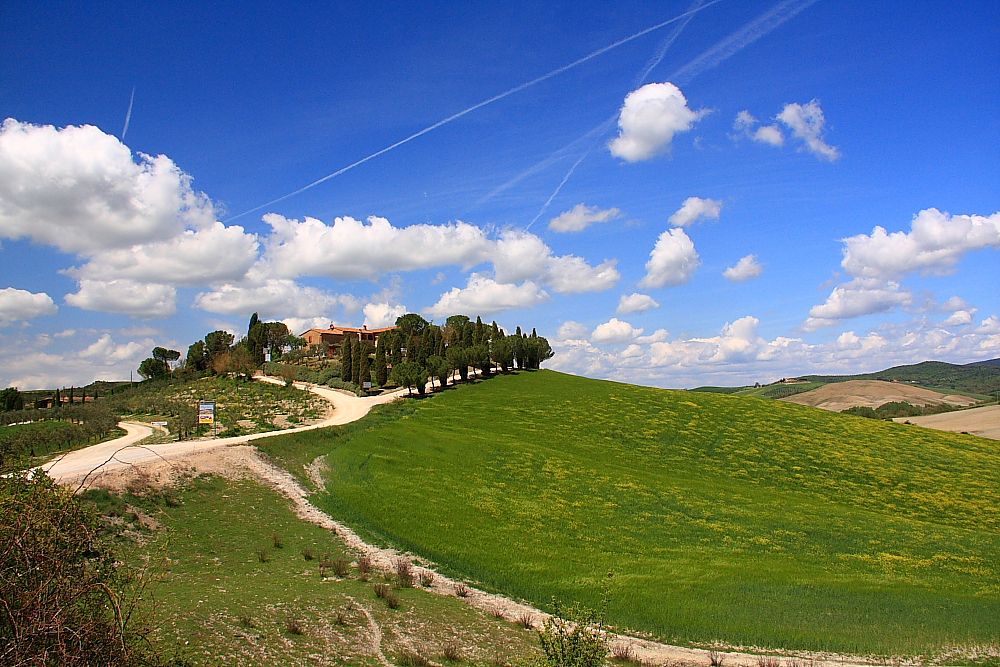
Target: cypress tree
356 366
364 373
381 372
346 359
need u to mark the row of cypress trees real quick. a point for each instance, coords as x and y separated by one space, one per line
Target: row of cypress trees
418 350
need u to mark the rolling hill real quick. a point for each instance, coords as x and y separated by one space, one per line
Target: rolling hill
739 520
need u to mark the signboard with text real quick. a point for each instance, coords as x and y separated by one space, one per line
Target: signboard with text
206 412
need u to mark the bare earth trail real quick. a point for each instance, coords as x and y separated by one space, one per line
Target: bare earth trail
117 459
126 452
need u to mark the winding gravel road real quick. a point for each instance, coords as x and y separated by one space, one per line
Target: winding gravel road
128 450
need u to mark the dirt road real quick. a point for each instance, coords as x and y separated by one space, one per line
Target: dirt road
127 450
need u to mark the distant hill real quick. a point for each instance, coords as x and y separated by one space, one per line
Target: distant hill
981 377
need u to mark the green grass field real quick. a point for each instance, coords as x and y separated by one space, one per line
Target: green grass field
742 520
216 603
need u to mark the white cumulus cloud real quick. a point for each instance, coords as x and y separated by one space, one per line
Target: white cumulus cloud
747 268
765 134
672 261
18 304
935 244
80 190
635 303
379 315
274 299
194 257
573 331
484 296
806 123
695 208
351 249
959 318
580 217
124 296
614 331
862 296
649 119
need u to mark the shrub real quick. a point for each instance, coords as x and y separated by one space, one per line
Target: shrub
364 567
341 567
426 578
626 651
461 590
308 554
263 556
246 621
526 620
404 572
452 651
392 600
381 590
276 539
715 659
294 627
413 659
575 637
67 598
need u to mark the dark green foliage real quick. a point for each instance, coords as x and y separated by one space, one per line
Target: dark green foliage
381 371
358 352
364 373
408 374
861 411
165 355
66 598
153 368
574 637
438 368
11 399
411 324
503 353
896 409
347 360
458 359
456 322
785 390
217 344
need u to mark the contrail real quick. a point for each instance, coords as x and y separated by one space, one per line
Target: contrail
721 51
601 129
740 39
480 105
128 115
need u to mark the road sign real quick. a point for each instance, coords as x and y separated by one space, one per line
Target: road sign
206 412
158 423
366 385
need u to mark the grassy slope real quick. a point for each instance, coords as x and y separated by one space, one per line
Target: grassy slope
750 521
214 579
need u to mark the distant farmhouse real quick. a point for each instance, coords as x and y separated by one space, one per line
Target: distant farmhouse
334 336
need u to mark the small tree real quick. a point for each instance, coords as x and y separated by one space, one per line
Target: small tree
438 367
11 399
459 360
575 637
408 374
153 368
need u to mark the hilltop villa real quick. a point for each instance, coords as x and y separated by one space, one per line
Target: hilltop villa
334 336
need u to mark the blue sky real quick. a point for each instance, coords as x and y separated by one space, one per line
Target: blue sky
698 205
